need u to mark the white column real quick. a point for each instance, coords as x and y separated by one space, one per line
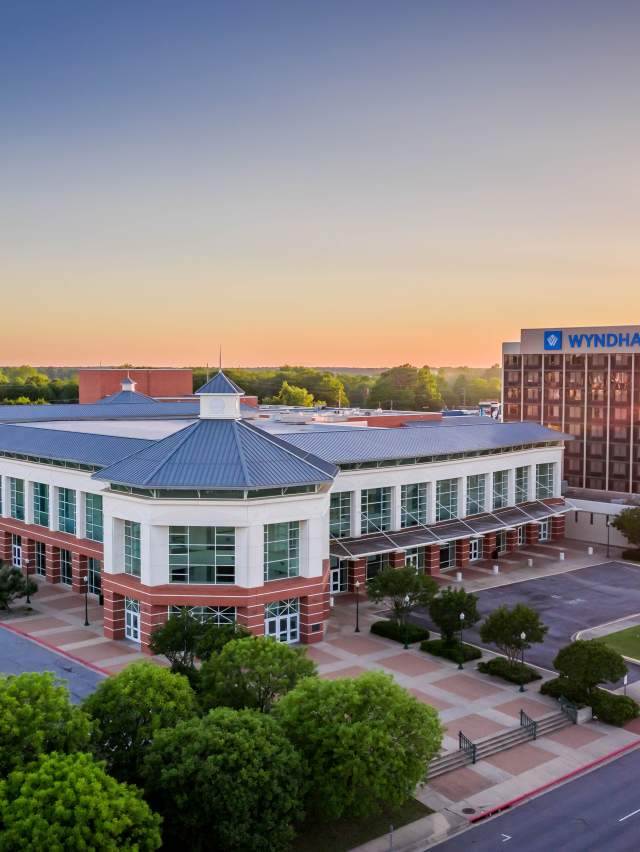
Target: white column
6 497
145 554
557 479
462 497
315 545
532 483
53 507
81 525
488 492
110 535
255 564
155 568
242 557
511 487
396 515
28 501
356 502
431 502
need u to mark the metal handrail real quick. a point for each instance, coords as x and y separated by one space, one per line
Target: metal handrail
530 724
569 709
465 744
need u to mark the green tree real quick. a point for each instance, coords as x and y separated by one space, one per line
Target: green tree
253 673
628 523
177 640
445 610
36 717
68 802
589 662
130 708
406 387
367 741
229 780
291 395
401 589
14 585
214 637
504 626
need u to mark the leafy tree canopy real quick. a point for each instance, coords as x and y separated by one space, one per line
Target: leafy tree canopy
589 662
401 589
291 395
229 780
367 741
628 523
14 585
504 626
406 387
36 717
446 607
68 802
130 708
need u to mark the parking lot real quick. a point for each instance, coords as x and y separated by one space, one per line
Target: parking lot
567 603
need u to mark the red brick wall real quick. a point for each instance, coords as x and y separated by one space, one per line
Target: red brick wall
96 384
392 420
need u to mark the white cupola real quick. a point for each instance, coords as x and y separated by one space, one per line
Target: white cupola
220 398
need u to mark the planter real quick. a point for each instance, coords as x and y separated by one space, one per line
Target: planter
585 714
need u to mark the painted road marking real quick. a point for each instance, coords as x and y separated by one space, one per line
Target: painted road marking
505 837
633 813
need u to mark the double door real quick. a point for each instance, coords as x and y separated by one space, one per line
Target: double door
339 576
475 549
132 619
282 620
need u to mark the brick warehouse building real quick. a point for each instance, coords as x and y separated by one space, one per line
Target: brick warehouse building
584 382
154 506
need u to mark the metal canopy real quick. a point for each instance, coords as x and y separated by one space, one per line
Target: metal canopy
445 531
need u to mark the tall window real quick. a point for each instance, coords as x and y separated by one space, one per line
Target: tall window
40 554
340 514
94 525
413 504
281 550
132 548
447 555
41 504
94 570
500 494
544 480
16 551
522 484
207 614
16 498
377 563
67 510
65 567
476 488
376 510
446 499
202 554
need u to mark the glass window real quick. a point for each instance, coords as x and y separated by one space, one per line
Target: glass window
500 494
93 519
544 480
376 564
41 504
132 548
448 555
16 551
376 510
282 620
415 557
281 550
40 553
65 567
67 510
93 574
202 554
446 499
16 501
207 614
413 504
522 484
340 514
476 486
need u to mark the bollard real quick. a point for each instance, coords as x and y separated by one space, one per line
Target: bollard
530 563
561 556
458 576
589 551
496 569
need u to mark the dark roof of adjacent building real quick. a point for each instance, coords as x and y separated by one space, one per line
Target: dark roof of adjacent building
213 454
220 384
362 445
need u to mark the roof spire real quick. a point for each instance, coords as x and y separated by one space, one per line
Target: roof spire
220 359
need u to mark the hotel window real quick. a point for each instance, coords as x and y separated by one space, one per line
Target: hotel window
93 518
65 567
340 514
553 394
413 504
446 499
282 550
41 504
376 564
40 553
218 615
522 484
16 498
376 510
476 489
544 480
532 394
202 554
532 411
67 510
132 548
620 414
500 492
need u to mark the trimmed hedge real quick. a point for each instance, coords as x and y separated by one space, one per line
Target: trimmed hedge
632 556
561 687
395 631
499 667
441 648
614 709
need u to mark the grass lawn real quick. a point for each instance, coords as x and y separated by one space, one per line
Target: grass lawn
626 642
346 833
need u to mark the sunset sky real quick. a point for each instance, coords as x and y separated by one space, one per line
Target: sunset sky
328 183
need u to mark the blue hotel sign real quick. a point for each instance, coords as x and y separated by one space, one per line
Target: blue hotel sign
553 340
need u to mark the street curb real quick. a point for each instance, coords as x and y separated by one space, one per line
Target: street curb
544 787
50 647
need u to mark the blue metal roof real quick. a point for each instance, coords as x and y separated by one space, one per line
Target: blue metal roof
127 397
212 454
80 447
220 384
98 411
361 445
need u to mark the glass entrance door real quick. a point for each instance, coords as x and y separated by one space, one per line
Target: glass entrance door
522 535
132 619
475 549
501 541
16 551
544 531
282 620
339 578
93 573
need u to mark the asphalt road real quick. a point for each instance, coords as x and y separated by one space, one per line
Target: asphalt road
567 603
18 655
596 812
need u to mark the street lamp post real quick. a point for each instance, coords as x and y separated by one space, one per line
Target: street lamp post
86 600
523 638
407 601
357 587
26 566
608 533
460 666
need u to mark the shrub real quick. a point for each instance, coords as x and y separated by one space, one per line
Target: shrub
504 629
631 555
588 663
562 687
516 673
449 651
397 632
445 611
614 709
13 585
